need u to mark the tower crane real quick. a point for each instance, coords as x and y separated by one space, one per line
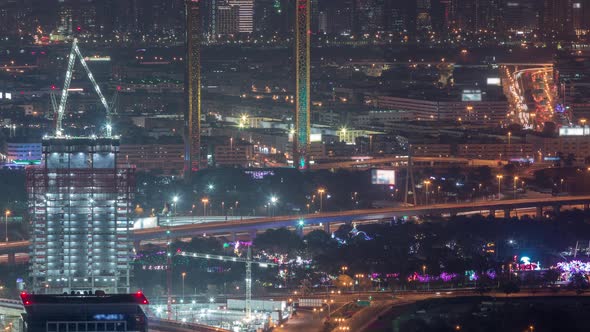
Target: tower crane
248 261
60 108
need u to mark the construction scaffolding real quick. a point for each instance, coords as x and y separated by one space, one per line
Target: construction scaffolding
79 204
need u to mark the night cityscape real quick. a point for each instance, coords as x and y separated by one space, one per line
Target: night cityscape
294 165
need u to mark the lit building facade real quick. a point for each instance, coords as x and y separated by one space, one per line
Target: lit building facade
192 90
228 20
302 67
80 203
246 17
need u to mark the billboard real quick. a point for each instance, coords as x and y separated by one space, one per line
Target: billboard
383 176
471 95
494 81
315 138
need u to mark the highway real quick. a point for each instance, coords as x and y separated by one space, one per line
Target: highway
328 220
384 302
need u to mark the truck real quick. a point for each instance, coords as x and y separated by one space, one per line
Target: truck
310 303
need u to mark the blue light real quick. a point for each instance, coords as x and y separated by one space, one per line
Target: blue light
108 317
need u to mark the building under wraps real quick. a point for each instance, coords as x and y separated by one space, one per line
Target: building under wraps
79 204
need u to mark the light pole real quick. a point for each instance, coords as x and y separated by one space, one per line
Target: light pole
499 177
514 186
561 186
204 200
273 202
175 200
427 183
479 186
183 276
6 214
236 205
223 208
321 192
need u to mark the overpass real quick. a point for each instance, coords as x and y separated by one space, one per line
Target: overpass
328 220
402 162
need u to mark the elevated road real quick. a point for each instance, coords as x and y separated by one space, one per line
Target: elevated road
372 215
330 219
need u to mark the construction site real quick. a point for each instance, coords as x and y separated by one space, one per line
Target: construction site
79 203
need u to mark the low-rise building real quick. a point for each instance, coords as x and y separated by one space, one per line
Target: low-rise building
578 146
161 158
239 154
490 112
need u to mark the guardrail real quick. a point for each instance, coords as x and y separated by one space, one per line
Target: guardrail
165 325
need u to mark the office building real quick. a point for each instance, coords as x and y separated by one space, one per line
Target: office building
228 20
246 17
79 204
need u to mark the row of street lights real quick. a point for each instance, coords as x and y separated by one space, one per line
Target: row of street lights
499 177
270 206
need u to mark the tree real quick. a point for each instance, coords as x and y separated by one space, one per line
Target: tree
343 281
280 240
551 276
510 287
578 282
319 241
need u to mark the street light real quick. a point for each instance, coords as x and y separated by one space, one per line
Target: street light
561 190
499 177
272 203
175 200
427 183
183 276
204 200
321 192
479 190
514 186
6 214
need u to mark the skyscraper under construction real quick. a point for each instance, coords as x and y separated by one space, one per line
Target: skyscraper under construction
192 87
302 68
79 203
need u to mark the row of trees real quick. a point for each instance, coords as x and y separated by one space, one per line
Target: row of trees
485 246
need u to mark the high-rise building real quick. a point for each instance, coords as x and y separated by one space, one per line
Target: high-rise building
572 72
192 90
228 20
209 18
394 16
302 68
423 17
246 14
79 203
521 15
557 17
581 16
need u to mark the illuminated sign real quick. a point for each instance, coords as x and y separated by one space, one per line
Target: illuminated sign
259 175
315 137
98 59
108 317
27 162
384 177
574 131
471 95
494 81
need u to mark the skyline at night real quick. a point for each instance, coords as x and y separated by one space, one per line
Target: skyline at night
294 165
